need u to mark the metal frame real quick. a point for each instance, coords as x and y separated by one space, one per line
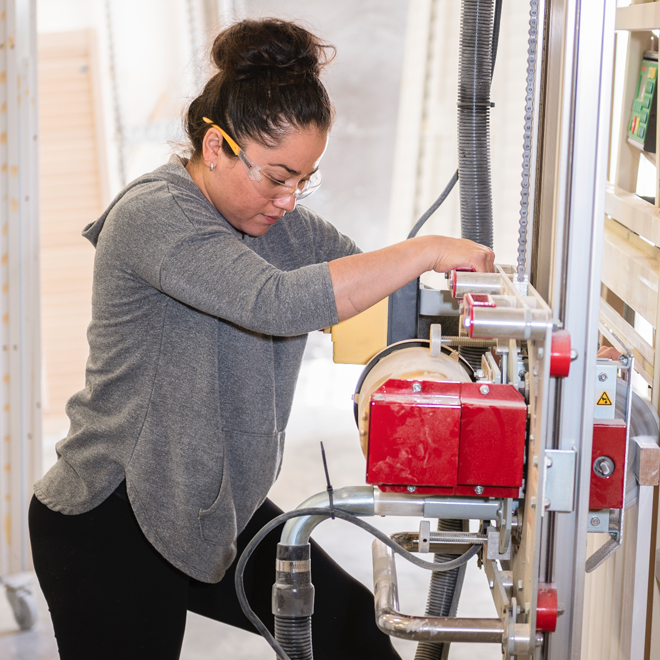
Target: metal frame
581 46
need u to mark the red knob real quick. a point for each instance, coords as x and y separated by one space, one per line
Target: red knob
560 354
546 608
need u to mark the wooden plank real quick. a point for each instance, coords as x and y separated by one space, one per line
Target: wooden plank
631 269
638 17
642 351
633 212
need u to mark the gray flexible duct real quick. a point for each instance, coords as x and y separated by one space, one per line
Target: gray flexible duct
444 592
475 73
474 121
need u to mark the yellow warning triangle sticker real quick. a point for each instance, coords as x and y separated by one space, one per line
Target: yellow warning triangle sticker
604 400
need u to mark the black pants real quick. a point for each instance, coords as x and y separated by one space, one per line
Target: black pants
112 595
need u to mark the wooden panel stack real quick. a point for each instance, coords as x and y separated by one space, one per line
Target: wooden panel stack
73 193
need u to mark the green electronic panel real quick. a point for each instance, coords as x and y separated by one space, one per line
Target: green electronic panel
641 128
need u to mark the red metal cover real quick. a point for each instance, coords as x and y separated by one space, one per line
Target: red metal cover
609 440
493 425
413 436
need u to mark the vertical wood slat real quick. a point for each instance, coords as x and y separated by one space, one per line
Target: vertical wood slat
20 368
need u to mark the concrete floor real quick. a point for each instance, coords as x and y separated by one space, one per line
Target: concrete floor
322 411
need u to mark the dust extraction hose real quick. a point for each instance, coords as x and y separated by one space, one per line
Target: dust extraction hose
475 67
478 39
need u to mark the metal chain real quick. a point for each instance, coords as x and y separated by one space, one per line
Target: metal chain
532 58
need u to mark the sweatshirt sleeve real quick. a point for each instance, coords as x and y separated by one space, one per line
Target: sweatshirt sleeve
214 272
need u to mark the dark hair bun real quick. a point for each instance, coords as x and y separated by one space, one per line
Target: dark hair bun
284 52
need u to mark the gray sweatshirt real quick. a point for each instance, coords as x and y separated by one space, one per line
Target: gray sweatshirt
196 340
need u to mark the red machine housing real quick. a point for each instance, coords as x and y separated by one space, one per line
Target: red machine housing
447 438
609 440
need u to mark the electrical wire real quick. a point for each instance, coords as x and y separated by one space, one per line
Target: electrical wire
454 180
325 513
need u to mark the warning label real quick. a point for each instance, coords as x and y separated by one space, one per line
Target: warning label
604 400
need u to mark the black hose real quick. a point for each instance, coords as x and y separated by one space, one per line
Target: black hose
325 513
295 636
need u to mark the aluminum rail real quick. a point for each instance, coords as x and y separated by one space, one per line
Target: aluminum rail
426 628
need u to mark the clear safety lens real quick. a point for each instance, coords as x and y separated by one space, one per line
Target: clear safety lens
271 189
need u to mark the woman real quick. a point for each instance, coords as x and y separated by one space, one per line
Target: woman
204 291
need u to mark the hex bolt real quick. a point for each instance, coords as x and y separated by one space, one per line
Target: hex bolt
624 360
478 490
520 585
574 355
412 489
602 376
595 521
417 387
479 373
484 389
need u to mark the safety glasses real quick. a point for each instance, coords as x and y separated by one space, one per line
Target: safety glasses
268 186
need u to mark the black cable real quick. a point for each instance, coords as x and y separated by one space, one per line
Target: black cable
330 489
450 186
435 206
496 35
342 515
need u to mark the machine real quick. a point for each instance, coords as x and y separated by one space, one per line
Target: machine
486 401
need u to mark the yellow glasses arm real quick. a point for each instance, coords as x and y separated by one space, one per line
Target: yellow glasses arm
234 147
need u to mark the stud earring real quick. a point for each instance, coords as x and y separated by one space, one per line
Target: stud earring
211 167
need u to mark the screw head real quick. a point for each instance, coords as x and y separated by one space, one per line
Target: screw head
595 521
541 353
602 377
484 389
412 489
478 490
479 373
417 387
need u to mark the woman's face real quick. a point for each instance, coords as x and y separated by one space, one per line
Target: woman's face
235 196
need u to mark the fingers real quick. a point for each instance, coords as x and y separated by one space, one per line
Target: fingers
609 353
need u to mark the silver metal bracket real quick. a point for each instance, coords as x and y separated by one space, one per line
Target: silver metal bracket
559 480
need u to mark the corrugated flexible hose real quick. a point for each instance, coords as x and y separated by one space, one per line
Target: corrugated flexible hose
475 73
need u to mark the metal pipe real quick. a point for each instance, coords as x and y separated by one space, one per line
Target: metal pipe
509 323
370 501
358 500
436 629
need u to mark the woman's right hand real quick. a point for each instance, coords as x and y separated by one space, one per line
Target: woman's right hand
449 253
361 280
